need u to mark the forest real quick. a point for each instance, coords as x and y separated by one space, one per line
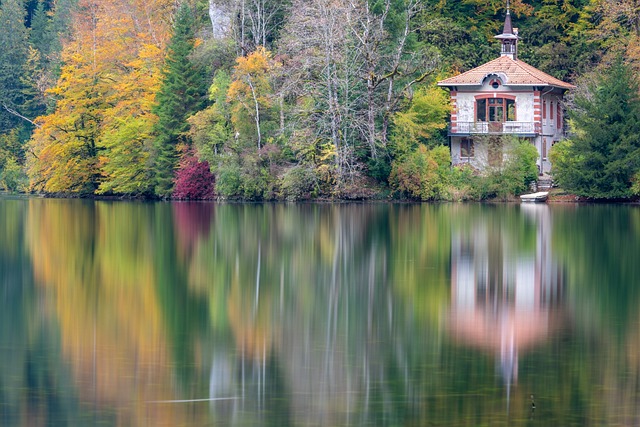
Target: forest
297 99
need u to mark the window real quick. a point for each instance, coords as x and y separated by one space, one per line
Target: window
544 149
544 110
559 117
466 148
495 110
481 110
551 111
511 110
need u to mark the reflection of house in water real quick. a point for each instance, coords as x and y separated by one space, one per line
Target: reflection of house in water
506 287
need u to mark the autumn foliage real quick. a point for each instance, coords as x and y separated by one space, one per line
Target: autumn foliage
96 139
194 180
306 98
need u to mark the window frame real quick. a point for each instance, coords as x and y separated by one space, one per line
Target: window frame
469 150
483 105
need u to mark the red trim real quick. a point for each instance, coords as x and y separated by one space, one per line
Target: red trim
497 95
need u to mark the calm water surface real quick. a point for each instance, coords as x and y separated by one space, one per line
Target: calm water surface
193 314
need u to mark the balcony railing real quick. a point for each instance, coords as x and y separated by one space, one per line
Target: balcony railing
494 128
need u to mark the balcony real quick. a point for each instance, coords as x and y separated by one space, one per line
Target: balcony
495 128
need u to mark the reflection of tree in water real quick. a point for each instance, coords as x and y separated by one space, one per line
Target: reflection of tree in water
319 315
303 308
600 246
34 386
100 263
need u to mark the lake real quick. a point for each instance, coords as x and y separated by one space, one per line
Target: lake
203 314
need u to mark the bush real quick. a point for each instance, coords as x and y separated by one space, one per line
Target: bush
248 180
12 177
464 184
423 173
229 180
194 180
299 182
517 174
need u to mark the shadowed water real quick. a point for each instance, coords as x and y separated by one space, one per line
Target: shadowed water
197 314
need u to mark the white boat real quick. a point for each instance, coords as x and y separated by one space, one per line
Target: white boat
539 197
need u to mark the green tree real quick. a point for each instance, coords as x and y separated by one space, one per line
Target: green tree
211 129
422 121
13 55
41 35
182 93
602 158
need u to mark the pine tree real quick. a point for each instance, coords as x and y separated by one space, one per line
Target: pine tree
41 35
602 158
182 94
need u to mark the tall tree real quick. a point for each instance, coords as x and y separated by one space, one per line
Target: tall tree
600 161
97 137
181 94
323 73
13 56
251 88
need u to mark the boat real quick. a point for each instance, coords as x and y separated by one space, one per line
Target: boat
539 197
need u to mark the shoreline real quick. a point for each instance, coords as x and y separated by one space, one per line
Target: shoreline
556 196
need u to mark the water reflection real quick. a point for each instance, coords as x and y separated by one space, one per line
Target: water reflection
506 288
136 314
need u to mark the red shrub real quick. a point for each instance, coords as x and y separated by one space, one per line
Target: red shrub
194 180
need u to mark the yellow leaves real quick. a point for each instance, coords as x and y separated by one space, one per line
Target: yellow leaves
426 115
112 71
251 77
256 63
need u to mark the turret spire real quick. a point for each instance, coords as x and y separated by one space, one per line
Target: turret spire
509 37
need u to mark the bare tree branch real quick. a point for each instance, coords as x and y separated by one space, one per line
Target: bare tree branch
15 113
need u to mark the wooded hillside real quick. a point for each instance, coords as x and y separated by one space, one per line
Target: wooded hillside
259 99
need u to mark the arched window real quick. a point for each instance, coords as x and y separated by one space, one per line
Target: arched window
495 110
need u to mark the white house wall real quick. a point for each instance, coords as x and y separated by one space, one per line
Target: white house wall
466 107
465 102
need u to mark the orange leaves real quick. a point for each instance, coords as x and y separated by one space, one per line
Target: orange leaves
251 76
111 73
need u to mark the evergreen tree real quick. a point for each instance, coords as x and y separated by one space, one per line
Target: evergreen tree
602 158
182 94
13 55
41 35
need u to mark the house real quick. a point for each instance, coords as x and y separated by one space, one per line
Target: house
505 96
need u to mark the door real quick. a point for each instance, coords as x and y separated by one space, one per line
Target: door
496 114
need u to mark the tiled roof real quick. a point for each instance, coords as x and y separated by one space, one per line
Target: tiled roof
516 72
